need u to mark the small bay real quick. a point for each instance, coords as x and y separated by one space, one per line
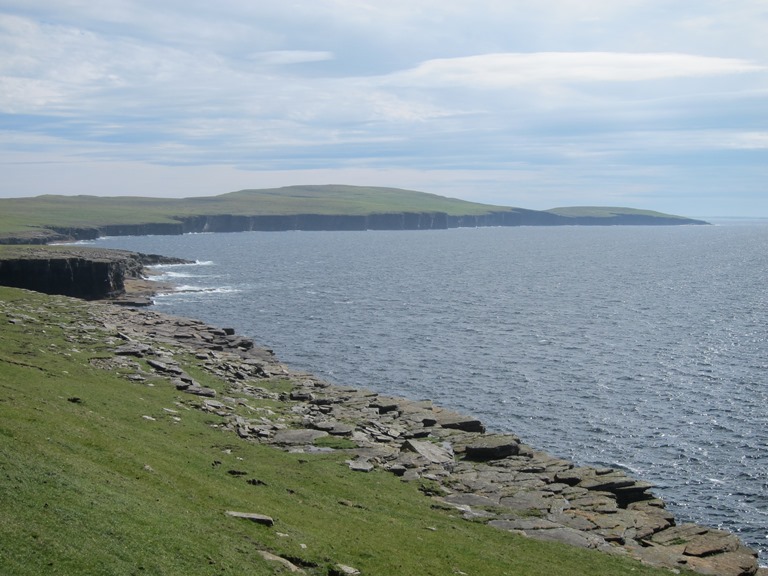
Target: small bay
643 348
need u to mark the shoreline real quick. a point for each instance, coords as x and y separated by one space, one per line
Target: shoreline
491 478
487 477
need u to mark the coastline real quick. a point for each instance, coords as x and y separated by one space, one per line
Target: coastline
490 478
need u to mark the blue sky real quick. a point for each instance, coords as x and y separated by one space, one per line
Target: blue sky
651 104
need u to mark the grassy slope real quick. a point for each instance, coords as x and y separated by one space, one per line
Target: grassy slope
17 214
27 252
92 487
25 214
606 212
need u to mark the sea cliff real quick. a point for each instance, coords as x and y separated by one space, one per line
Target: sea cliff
333 222
78 271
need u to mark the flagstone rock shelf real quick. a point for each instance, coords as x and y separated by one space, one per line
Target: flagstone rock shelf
482 477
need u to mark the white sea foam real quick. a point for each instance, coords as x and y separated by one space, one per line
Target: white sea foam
188 288
182 264
172 275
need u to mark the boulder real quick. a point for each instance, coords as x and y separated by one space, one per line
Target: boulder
360 465
492 448
432 452
713 542
200 391
257 518
459 422
742 562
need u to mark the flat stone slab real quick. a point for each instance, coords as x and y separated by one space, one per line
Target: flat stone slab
341 429
682 533
298 437
607 482
525 524
360 465
568 536
459 422
470 500
434 453
258 518
201 391
269 557
492 448
714 542
742 562
533 500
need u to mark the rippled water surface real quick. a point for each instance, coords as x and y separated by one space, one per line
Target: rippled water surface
644 348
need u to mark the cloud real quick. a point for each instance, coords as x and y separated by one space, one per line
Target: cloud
509 70
281 57
534 99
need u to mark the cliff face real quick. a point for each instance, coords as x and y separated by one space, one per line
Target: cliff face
69 276
318 222
73 270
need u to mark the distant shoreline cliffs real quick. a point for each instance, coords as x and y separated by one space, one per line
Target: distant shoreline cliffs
339 222
53 218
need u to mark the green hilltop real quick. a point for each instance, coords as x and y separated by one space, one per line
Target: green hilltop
607 212
53 210
20 217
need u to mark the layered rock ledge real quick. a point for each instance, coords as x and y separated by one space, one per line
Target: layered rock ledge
479 476
81 272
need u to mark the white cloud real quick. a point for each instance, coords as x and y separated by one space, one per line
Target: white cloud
747 141
507 70
280 57
544 97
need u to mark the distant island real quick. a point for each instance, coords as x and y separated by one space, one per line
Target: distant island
52 218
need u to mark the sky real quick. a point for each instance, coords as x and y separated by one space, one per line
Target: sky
654 104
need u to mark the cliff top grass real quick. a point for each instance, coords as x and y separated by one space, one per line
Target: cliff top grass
607 212
24 214
44 252
103 475
28 216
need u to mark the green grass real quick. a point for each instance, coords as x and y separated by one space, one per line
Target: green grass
606 212
31 252
90 485
20 216
24 214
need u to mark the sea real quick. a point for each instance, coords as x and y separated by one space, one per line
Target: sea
635 347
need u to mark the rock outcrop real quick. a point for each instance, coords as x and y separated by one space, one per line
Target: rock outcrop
481 477
81 272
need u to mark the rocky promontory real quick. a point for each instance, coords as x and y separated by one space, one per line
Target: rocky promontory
481 476
79 271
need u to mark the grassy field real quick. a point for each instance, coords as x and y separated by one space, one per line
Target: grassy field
27 215
102 475
19 214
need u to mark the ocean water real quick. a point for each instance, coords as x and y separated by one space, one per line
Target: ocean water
644 348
